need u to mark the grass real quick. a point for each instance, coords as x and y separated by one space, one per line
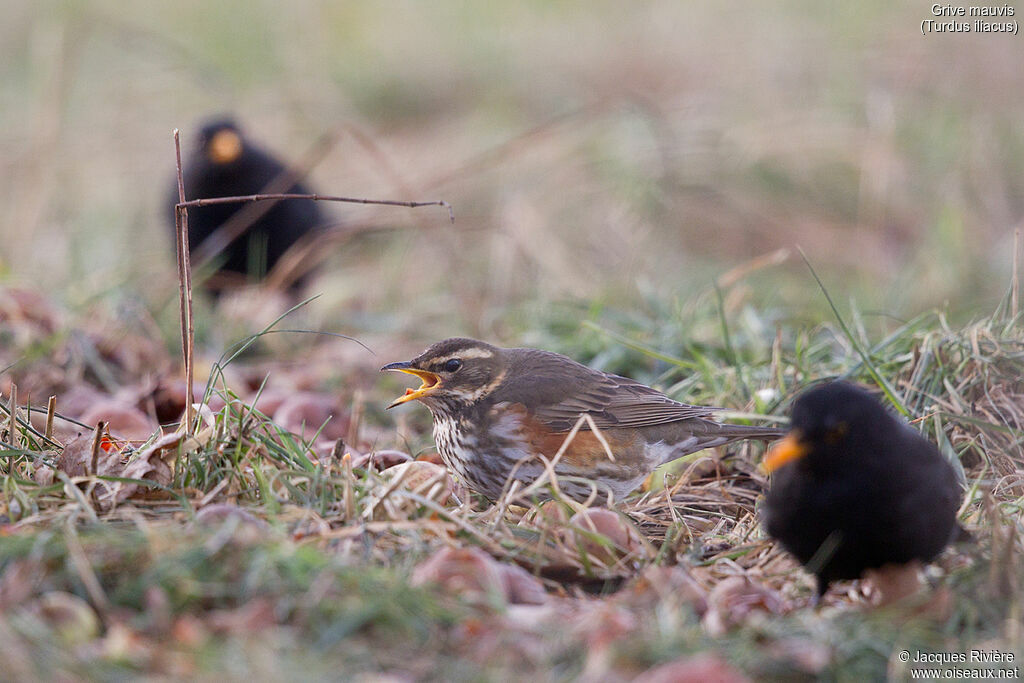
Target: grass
635 202
200 590
256 533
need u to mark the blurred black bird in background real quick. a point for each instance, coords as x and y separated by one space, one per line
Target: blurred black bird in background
226 163
854 489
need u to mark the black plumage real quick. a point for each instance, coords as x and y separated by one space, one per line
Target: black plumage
853 488
226 163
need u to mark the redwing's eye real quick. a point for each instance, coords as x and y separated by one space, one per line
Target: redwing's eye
452 365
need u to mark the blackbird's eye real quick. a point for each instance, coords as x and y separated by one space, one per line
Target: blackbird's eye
452 365
836 433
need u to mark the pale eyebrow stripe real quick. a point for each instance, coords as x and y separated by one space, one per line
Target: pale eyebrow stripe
468 353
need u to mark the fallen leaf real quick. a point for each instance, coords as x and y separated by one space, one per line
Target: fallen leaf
380 460
151 463
469 573
736 599
71 618
76 458
390 499
601 624
168 399
660 586
703 668
189 631
804 653
23 306
255 615
42 473
306 412
521 587
550 514
123 419
18 581
618 538
894 582
122 643
250 529
431 456
475 576
268 400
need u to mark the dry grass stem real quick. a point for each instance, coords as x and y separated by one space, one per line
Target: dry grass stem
184 288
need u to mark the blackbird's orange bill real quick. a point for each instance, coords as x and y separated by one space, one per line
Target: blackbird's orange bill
431 381
791 448
225 147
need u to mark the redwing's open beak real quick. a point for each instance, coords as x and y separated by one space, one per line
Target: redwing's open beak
789 449
431 381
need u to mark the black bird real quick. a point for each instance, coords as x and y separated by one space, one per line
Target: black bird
226 163
853 489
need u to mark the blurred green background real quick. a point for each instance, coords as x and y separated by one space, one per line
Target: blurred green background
599 156
631 182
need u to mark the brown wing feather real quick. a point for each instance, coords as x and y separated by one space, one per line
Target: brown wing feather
558 389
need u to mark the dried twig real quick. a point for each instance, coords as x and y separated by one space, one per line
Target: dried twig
12 434
51 410
356 417
312 249
80 562
1015 275
97 442
382 161
184 284
261 203
239 222
350 504
495 155
315 197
